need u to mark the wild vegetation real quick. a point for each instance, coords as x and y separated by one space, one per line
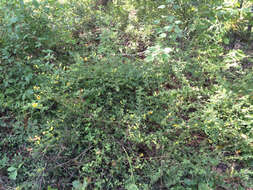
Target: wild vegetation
126 95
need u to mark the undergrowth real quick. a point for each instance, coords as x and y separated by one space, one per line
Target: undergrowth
129 95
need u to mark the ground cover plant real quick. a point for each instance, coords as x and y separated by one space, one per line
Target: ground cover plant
126 95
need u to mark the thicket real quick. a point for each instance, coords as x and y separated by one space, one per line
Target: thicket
126 95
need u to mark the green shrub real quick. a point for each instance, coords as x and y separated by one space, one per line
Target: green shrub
86 103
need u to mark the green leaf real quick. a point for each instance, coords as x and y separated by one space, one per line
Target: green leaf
12 172
163 35
203 186
11 169
167 50
157 22
150 58
50 188
170 18
226 41
76 184
178 22
168 28
79 186
36 3
132 187
13 20
161 7
13 175
189 182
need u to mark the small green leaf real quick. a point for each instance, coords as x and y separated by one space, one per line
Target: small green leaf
167 50
170 18
76 184
178 22
79 186
157 22
150 58
226 41
50 188
203 186
12 172
13 20
168 28
189 182
36 3
163 35
13 175
132 187
161 7
11 169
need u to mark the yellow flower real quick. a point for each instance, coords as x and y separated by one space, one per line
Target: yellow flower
34 105
175 125
141 155
35 138
85 59
150 112
38 97
36 88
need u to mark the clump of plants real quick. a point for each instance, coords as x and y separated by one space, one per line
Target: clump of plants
91 98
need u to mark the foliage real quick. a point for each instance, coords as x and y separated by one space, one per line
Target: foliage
135 95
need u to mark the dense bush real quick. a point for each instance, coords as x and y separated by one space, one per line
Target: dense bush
134 95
